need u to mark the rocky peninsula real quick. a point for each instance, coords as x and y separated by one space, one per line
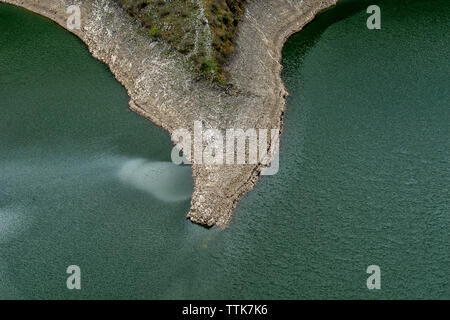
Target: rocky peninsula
163 90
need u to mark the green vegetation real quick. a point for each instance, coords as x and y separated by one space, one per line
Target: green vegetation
165 20
208 43
223 17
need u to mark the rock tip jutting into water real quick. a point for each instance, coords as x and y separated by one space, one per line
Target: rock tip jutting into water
163 90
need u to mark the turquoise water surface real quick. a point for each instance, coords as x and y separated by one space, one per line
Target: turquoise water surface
364 171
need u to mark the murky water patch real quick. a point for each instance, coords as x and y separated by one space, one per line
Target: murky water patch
13 222
164 180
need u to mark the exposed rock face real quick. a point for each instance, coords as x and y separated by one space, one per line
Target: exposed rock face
161 89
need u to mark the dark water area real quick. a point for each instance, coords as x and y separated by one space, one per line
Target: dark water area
364 171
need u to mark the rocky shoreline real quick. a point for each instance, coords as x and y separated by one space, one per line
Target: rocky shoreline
162 89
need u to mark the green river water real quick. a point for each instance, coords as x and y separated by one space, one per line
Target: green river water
364 171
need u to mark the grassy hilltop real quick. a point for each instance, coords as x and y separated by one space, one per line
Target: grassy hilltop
202 30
